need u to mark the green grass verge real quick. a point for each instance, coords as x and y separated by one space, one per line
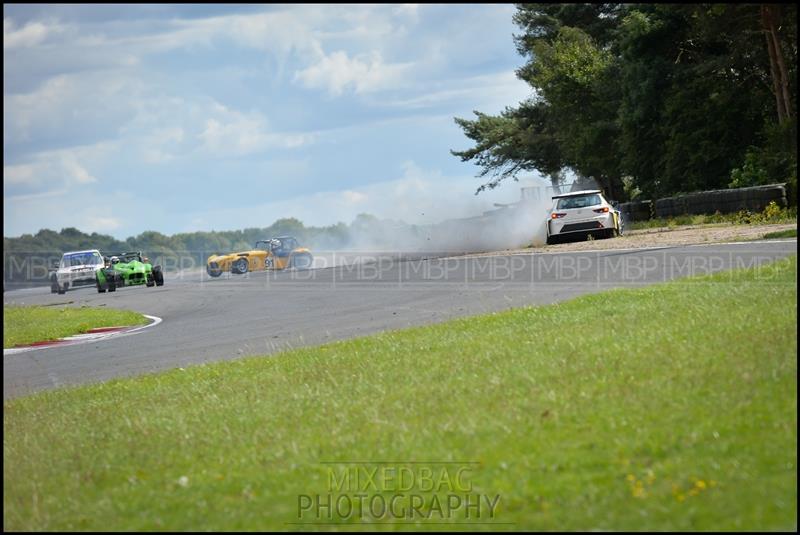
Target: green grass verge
28 324
788 233
671 407
772 214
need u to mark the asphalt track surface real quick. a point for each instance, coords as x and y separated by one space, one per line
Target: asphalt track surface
207 320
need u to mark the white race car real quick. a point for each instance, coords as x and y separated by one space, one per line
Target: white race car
583 213
76 268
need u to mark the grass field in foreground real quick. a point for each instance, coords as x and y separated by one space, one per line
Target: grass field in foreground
28 324
665 408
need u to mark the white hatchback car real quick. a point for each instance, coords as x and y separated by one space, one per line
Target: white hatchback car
583 213
77 268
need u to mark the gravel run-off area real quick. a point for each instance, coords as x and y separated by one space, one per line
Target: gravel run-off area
660 237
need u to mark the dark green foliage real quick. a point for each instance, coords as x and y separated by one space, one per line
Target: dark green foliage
543 21
776 158
665 98
520 139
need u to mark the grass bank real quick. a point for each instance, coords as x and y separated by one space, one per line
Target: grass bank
772 214
671 407
788 233
28 324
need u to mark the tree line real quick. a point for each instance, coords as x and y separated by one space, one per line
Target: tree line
193 243
365 229
648 100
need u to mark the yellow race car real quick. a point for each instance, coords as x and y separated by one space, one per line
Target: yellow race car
275 253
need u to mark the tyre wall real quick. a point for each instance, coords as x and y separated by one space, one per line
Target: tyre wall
724 201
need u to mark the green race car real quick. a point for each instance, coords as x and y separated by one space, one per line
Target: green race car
128 269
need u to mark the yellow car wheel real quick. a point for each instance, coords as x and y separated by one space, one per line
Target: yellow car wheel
240 266
302 261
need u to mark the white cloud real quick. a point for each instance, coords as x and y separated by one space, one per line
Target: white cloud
407 10
27 197
53 171
230 132
19 174
67 106
490 93
23 113
154 145
354 197
363 73
89 212
99 224
140 116
29 35
75 171
241 135
281 32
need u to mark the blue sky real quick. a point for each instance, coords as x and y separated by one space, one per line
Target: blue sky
176 118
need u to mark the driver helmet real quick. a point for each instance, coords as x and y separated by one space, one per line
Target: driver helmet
114 260
275 243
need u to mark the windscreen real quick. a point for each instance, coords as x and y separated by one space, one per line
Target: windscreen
130 258
82 259
579 201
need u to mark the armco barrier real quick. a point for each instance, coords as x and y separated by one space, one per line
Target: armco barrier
723 201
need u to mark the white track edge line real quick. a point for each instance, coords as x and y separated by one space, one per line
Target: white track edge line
86 338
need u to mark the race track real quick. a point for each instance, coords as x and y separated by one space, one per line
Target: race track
208 320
